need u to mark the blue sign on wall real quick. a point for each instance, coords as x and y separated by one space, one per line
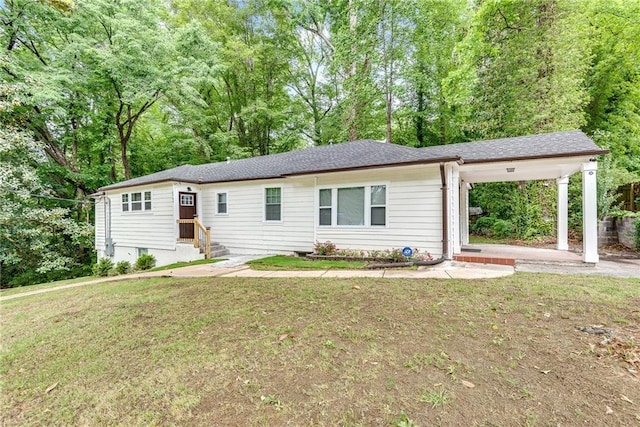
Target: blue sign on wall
407 252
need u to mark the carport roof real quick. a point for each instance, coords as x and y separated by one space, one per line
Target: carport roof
368 154
548 145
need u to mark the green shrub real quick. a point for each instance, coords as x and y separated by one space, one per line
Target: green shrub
123 267
103 267
502 228
636 234
145 262
326 248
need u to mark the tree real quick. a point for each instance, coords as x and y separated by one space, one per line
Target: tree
37 236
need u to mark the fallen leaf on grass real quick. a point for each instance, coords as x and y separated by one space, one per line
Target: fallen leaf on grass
283 337
626 399
51 387
356 287
468 384
609 411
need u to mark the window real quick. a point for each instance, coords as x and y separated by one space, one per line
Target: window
136 202
221 205
353 206
273 204
142 251
378 204
325 206
186 200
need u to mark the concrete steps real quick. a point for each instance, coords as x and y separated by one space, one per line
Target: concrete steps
218 250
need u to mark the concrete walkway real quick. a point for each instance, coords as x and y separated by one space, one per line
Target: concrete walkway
235 267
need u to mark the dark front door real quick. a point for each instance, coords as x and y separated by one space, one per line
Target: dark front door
187 211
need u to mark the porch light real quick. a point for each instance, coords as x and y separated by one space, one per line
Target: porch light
509 170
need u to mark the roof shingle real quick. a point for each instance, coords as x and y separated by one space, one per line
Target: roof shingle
370 154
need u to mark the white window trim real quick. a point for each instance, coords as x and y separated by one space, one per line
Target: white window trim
264 205
367 206
216 203
143 201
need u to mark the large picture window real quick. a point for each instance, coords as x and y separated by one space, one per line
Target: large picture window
136 202
273 204
353 206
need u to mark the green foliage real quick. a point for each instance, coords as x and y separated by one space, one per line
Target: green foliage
145 262
123 267
636 233
103 267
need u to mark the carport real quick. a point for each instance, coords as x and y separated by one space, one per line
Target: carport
552 157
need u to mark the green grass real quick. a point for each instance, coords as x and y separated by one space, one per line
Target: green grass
300 351
187 264
283 262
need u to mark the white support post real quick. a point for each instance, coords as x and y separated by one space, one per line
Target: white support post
589 212
464 213
563 214
454 212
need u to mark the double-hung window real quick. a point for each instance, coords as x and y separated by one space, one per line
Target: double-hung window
378 205
273 204
221 203
325 206
353 206
136 202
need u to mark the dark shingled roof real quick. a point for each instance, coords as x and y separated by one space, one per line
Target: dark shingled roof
372 154
556 144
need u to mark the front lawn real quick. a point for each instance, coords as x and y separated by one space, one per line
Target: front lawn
263 352
283 262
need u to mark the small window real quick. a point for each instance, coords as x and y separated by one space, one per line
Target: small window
147 200
325 207
142 251
136 201
273 204
378 205
186 200
125 203
221 204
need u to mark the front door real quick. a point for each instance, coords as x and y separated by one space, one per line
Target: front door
187 211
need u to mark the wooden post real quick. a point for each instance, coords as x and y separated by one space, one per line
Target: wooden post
208 243
196 244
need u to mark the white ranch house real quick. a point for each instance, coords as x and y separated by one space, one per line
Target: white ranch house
358 195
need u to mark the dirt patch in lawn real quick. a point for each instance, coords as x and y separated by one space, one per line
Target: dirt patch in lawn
327 352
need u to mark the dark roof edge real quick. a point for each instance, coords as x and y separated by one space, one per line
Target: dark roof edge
385 165
124 184
542 156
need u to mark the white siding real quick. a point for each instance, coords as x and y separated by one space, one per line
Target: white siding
414 216
243 229
154 229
